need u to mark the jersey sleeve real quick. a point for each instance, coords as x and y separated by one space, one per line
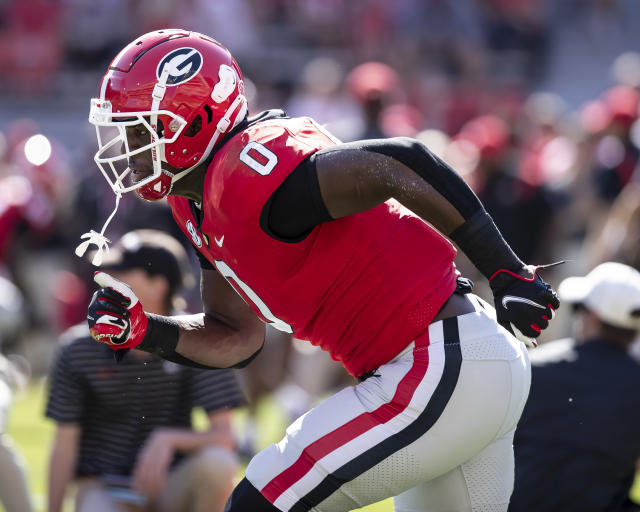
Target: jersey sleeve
204 262
251 166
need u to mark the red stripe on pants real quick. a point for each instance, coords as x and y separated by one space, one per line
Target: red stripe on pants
355 427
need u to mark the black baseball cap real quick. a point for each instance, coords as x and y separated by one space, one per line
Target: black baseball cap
153 251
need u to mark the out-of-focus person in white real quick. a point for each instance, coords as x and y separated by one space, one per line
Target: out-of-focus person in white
14 493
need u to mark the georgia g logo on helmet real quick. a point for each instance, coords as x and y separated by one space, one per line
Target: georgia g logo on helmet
183 64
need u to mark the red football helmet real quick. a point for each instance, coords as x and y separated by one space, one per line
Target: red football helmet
187 91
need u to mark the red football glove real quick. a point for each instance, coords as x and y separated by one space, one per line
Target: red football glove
115 314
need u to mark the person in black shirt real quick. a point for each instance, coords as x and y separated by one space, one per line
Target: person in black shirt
578 440
124 432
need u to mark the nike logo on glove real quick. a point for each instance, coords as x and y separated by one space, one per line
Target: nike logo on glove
512 298
112 320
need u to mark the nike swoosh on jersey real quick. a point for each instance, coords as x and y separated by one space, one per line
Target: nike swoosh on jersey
219 242
512 298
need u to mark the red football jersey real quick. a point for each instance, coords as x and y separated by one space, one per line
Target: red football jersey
361 287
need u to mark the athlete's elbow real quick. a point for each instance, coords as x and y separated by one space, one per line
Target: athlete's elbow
253 347
408 144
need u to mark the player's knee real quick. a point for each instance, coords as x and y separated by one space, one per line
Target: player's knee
246 497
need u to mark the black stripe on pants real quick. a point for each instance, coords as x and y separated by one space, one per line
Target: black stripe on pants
428 417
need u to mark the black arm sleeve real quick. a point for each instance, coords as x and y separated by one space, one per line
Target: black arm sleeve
417 157
296 207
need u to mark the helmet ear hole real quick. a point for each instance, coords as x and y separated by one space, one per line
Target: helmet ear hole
194 128
209 112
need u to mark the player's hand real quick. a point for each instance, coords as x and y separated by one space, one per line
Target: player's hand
524 302
152 464
115 314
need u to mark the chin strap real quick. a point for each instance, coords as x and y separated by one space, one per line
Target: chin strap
159 89
98 239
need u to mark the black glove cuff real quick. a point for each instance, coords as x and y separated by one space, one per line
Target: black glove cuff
479 238
502 280
161 337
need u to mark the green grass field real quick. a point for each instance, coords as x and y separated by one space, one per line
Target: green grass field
32 433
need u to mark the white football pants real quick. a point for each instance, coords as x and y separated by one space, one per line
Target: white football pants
433 427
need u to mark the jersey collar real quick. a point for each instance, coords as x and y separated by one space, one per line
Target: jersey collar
266 115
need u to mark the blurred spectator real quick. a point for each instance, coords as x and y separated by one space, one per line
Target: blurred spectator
374 85
94 31
138 449
625 69
585 36
577 443
14 494
15 193
30 45
12 314
516 34
320 97
34 210
260 379
524 212
548 153
44 164
401 120
231 21
615 155
606 159
619 237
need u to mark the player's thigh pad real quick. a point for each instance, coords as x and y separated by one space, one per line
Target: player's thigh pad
450 394
481 484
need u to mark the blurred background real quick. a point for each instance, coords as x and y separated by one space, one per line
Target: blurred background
534 102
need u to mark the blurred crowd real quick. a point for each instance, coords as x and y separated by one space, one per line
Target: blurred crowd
476 80
535 103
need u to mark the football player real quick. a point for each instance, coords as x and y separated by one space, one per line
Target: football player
344 245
